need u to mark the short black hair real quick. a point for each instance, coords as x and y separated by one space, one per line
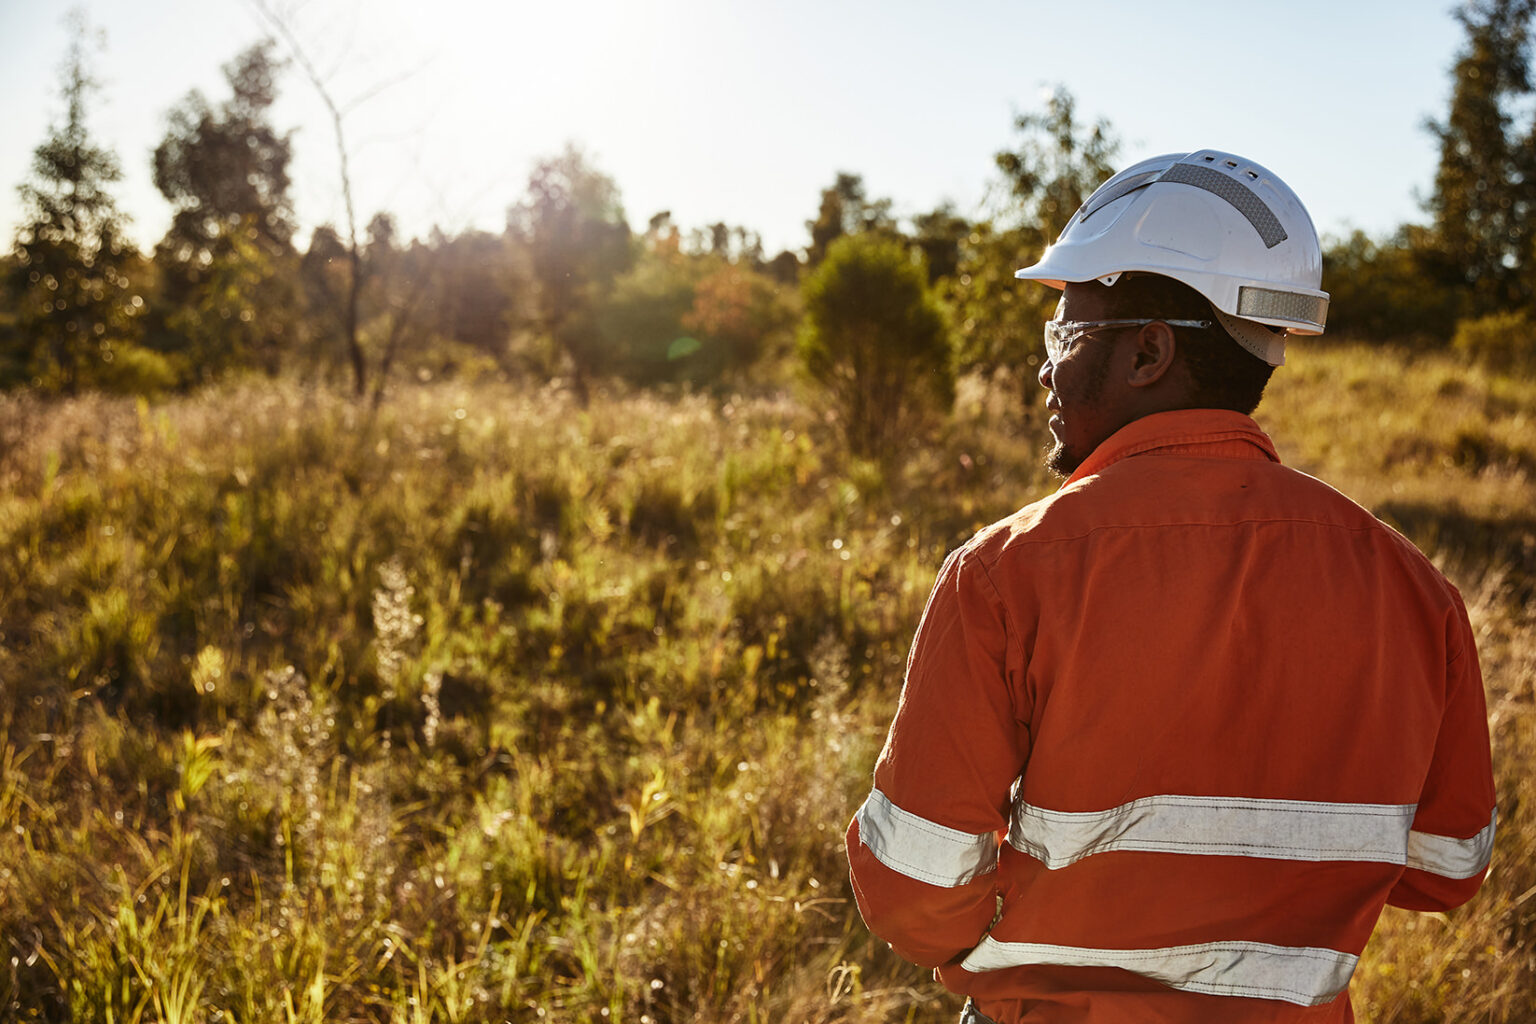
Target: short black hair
1225 375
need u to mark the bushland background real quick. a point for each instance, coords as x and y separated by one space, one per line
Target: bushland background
502 626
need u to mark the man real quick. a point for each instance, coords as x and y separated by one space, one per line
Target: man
1171 737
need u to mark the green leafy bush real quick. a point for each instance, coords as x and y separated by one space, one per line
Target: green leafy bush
877 340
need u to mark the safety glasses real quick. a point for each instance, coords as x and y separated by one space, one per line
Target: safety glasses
1061 335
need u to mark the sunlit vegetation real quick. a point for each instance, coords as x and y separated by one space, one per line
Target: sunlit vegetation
503 626
487 706
1444 451
482 705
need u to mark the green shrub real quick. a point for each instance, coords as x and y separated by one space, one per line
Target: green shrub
1384 288
1500 341
135 370
877 340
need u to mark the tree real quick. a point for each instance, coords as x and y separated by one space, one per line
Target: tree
1055 165
76 309
845 210
688 311
640 316
476 291
1388 288
940 233
1485 186
735 310
398 281
219 164
572 226
784 268
354 267
227 261
728 244
876 338
371 303
231 307
325 273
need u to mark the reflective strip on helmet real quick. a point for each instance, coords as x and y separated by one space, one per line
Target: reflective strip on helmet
1107 194
923 849
1451 857
1303 975
1217 826
1235 192
1278 305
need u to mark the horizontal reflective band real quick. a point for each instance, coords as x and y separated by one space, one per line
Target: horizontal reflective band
1450 857
1217 826
922 849
1277 305
1304 975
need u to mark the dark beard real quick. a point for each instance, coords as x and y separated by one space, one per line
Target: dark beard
1059 461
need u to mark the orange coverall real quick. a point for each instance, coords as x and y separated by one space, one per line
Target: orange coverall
1181 728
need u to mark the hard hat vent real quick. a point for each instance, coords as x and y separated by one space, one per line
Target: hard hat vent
1242 199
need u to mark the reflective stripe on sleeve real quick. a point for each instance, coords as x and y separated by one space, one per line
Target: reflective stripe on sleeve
922 849
1304 975
1232 826
1451 857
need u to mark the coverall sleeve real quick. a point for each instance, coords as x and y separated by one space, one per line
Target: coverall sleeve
1453 827
923 848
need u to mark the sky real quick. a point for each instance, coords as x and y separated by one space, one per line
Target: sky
724 110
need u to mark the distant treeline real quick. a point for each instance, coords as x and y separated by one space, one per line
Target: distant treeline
569 290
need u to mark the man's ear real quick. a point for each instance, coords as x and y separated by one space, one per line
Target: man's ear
1154 349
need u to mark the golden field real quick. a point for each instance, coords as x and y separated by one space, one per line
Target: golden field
485 706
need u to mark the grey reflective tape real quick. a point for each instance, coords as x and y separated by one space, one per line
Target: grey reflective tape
1217 826
923 849
1303 975
1242 198
1451 857
1277 305
1106 195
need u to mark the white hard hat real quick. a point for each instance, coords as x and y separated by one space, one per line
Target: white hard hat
1221 224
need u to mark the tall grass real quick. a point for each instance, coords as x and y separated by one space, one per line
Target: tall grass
484 706
1446 452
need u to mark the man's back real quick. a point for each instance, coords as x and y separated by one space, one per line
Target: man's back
1222 714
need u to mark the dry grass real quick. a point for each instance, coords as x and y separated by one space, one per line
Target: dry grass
1446 452
489 707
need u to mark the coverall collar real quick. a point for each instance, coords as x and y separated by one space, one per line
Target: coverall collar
1215 432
